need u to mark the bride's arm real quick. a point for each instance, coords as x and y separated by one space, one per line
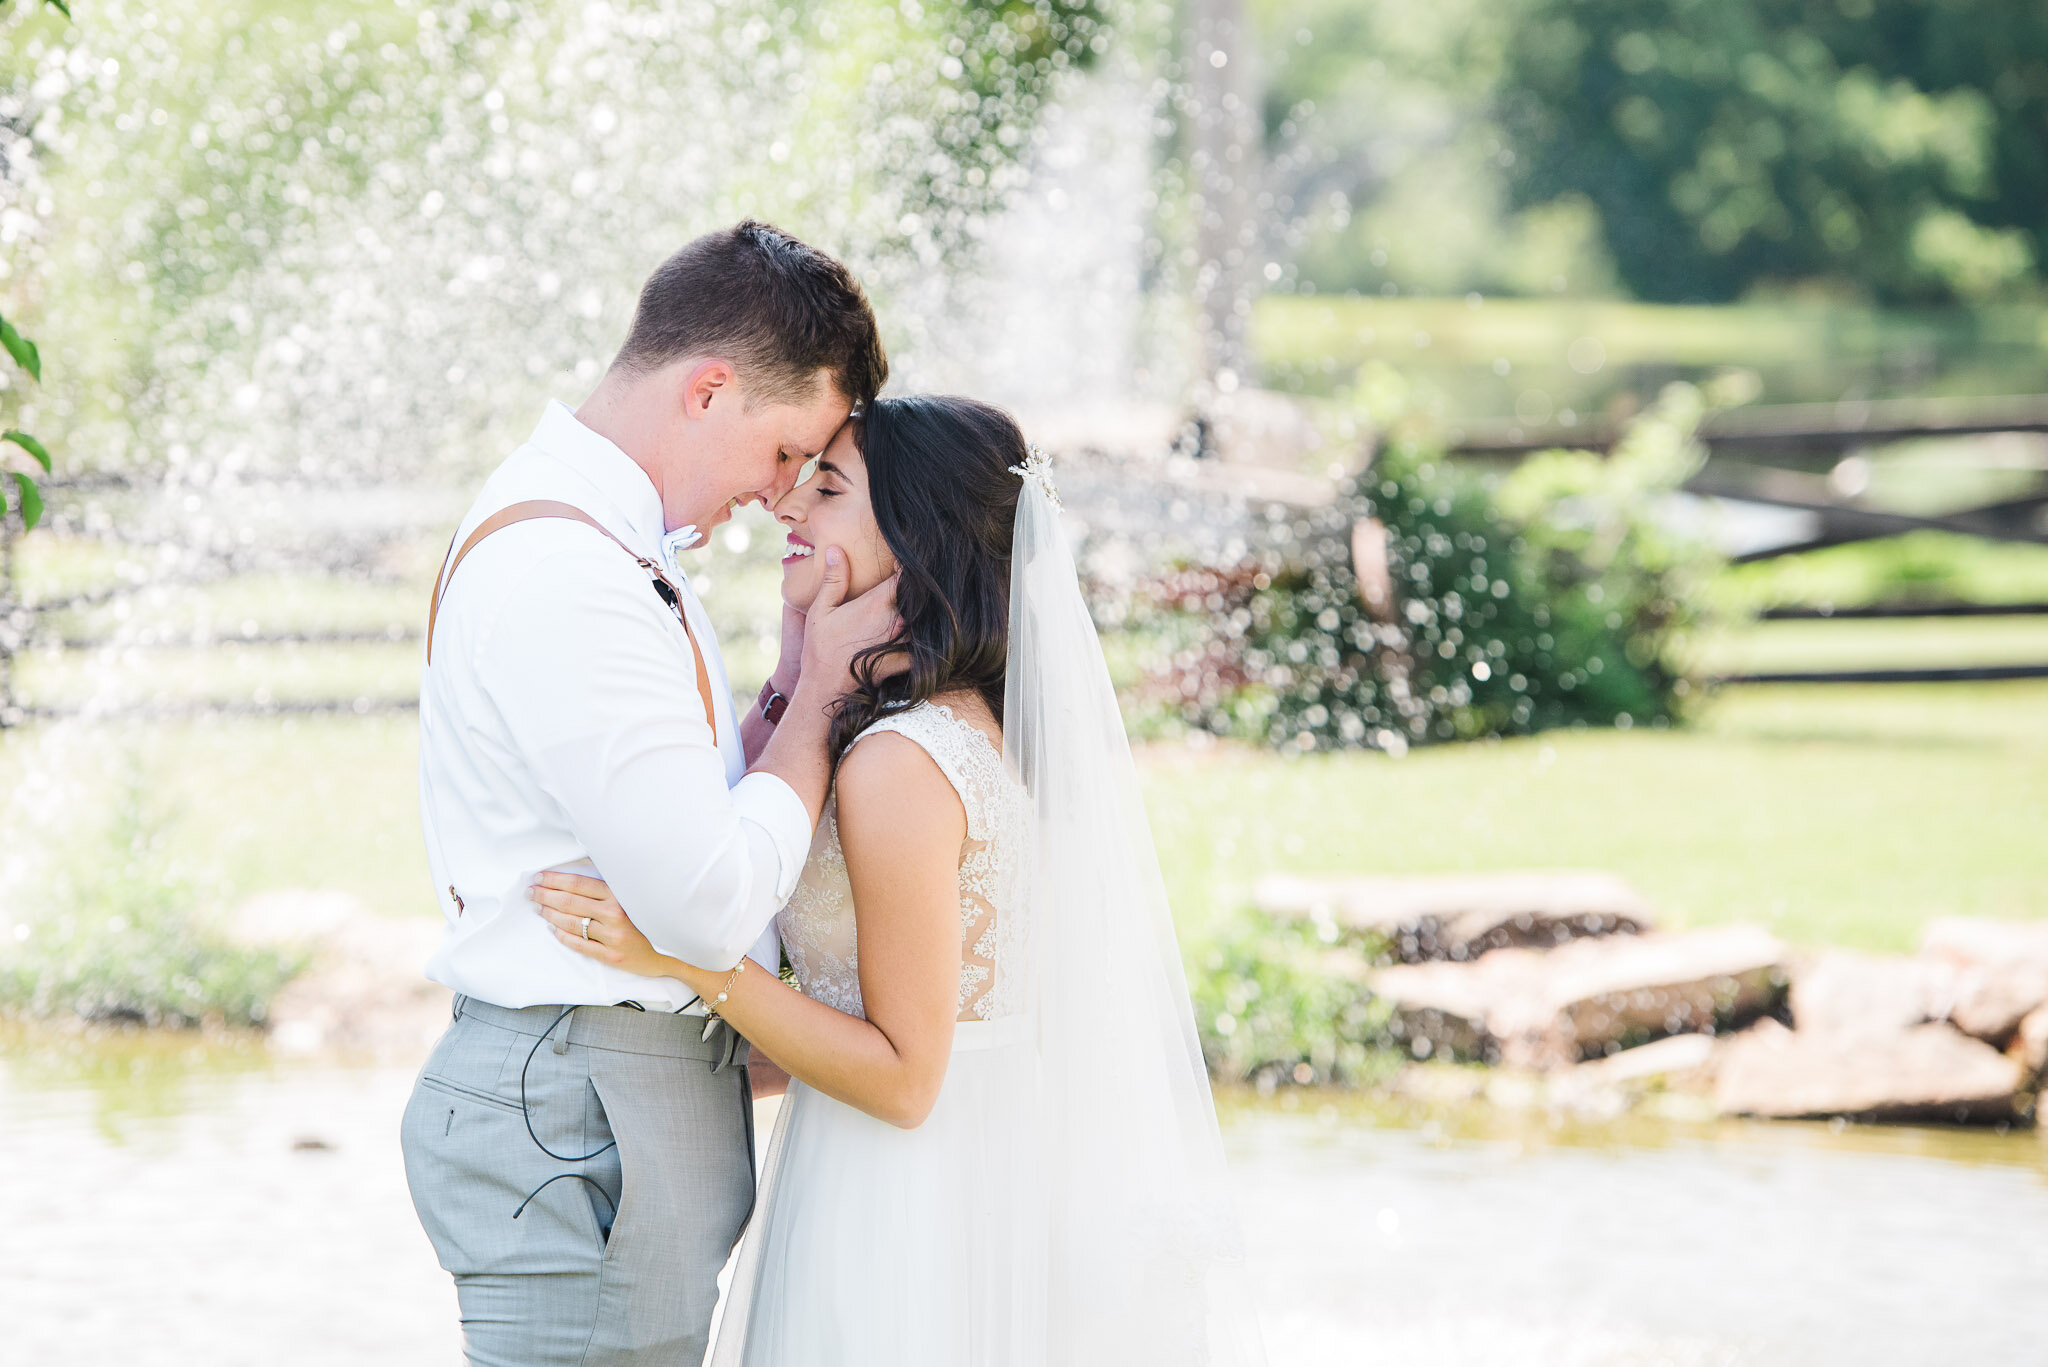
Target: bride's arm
901 826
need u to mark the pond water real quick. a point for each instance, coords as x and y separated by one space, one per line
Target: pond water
163 1201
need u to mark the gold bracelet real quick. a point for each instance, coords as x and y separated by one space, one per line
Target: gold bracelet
711 1007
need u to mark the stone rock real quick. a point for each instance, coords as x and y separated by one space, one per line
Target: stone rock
1848 992
1990 1003
1671 1057
1975 942
2000 968
363 994
1598 994
1533 1009
1609 1086
2030 1046
1765 1028
1929 1072
1463 916
1440 1008
1437 1086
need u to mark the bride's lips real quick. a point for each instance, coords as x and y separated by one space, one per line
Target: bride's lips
799 550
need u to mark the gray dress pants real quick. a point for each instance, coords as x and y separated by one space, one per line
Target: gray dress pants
608 1254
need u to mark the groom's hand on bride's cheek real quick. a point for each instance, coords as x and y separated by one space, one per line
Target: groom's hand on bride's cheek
881 623
896 661
837 628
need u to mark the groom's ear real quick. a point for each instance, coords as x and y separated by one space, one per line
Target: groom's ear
706 380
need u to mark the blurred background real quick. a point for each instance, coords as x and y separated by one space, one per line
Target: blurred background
1563 484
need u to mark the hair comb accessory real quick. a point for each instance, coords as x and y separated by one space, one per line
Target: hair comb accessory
1037 469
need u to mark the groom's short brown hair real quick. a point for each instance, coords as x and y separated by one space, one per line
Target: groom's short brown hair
778 309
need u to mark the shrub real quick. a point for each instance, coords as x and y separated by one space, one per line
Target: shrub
126 943
1429 604
1269 1006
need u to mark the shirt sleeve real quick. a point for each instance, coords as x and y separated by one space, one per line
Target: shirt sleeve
599 695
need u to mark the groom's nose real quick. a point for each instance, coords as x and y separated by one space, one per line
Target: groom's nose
785 480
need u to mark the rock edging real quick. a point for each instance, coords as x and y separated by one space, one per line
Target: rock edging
1566 974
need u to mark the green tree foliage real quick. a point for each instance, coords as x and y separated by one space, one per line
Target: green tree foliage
1897 145
26 496
297 200
1383 160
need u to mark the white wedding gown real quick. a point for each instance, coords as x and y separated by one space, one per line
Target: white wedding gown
1066 1203
874 1246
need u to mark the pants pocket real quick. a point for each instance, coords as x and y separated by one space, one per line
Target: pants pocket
472 1094
471 1166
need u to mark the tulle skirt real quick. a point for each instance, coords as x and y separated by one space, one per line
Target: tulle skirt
874 1246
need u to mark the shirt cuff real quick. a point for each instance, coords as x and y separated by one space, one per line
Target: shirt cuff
773 805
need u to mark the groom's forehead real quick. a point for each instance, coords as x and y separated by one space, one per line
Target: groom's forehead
811 427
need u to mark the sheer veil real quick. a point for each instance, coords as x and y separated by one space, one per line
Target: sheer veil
1143 1261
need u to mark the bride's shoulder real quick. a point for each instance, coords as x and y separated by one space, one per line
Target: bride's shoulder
944 725
965 711
953 736
890 776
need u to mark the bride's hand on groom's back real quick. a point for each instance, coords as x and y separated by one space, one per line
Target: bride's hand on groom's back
837 628
588 919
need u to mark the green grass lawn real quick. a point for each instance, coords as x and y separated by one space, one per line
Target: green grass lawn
1879 643
1917 567
243 804
1538 358
1835 815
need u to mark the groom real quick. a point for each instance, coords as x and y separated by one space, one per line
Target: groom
579 1145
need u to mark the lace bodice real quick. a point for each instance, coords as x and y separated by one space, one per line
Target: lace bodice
817 925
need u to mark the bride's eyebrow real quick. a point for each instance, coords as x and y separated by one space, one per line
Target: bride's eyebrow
826 467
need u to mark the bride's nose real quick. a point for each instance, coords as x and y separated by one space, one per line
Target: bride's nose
788 508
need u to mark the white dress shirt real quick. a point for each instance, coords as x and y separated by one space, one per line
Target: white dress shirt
560 728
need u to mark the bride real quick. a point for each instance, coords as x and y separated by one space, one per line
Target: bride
998 1147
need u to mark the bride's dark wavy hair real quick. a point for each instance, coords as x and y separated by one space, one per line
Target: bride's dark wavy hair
944 499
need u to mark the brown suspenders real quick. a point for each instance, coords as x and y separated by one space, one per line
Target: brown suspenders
522 512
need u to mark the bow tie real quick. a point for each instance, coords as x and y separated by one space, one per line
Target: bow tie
681 539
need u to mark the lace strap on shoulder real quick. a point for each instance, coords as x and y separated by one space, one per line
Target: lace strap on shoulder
943 736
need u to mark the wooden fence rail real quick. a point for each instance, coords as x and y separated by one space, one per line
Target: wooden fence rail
1752 455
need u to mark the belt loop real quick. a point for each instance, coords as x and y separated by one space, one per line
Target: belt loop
459 1000
562 1040
727 1046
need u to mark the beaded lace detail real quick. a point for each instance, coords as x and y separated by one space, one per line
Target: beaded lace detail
817 925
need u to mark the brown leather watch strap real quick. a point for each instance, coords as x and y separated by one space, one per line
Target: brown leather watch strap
537 508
